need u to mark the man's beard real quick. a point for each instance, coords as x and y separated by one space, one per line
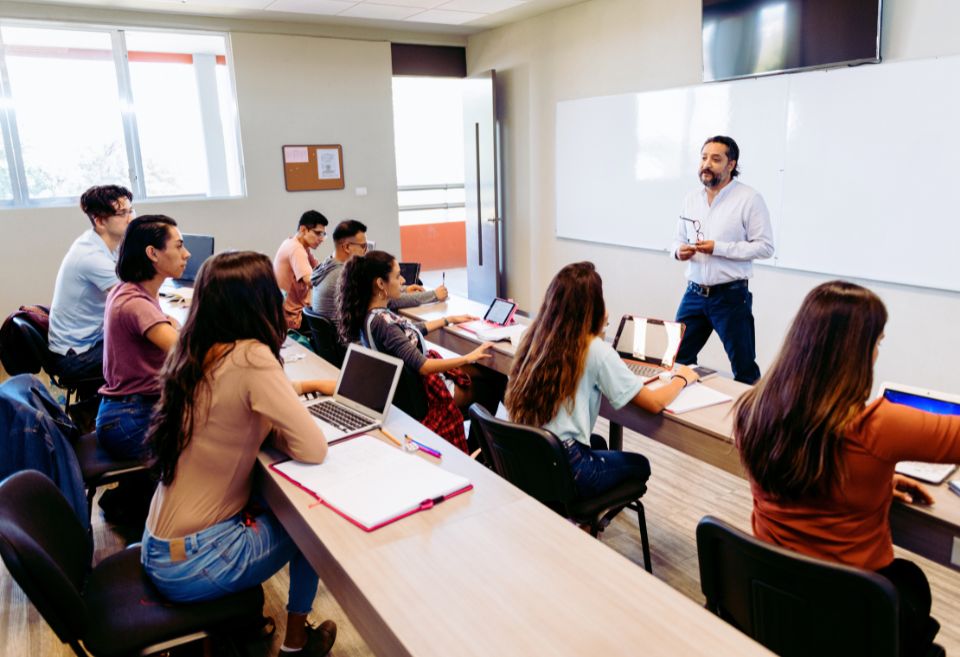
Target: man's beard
712 181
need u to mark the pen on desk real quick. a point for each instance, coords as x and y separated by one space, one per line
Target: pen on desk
444 279
424 448
391 436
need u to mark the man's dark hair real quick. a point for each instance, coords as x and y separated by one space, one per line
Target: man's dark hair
733 151
348 228
311 218
98 200
133 265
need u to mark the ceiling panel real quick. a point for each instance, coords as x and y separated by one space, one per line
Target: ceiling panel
448 16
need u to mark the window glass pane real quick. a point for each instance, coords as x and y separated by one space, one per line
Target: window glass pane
65 94
186 114
6 190
167 104
428 128
231 130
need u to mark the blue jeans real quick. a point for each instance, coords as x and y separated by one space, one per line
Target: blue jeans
598 470
228 557
72 367
729 312
122 426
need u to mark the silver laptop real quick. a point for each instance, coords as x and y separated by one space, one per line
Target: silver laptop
362 397
931 401
648 346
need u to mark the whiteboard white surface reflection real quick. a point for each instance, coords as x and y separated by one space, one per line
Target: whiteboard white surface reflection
854 165
625 163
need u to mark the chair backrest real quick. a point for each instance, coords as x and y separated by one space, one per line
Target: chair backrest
532 459
46 550
32 342
793 604
324 338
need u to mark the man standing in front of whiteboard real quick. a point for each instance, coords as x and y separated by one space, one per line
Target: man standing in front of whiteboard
722 229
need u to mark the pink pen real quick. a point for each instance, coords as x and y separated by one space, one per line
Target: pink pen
424 448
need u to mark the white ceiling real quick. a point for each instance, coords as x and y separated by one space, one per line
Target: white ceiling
468 16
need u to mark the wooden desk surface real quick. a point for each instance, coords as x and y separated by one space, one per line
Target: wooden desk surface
489 572
706 434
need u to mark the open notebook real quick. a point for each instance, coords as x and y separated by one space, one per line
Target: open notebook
695 396
371 483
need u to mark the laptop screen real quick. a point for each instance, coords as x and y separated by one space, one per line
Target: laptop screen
650 340
367 380
922 402
200 248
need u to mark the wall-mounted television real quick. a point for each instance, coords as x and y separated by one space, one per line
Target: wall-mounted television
745 38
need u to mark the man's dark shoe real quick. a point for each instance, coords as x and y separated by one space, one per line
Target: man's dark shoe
320 639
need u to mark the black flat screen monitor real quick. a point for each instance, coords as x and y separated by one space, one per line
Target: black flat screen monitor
200 248
746 38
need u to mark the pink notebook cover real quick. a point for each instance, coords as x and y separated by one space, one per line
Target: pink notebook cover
424 505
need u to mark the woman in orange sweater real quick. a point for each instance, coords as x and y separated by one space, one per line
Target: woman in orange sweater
821 462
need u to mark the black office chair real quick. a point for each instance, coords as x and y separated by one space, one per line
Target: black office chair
793 604
112 609
100 469
535 461
324 338
40 350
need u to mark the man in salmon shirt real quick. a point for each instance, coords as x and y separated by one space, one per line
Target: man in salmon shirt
294 262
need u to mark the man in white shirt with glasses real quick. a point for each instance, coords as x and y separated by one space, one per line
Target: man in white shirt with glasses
722 229
87 274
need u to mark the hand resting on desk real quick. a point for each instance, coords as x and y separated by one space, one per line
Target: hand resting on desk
910 491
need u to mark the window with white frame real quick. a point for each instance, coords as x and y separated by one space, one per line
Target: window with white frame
151 110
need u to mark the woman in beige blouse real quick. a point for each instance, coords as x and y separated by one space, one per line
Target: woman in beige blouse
224 393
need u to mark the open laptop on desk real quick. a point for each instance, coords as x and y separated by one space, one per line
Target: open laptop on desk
362 398
931 401
648 346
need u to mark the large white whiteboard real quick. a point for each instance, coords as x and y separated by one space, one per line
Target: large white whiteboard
854 164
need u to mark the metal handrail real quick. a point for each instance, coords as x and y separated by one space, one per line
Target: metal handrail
427 188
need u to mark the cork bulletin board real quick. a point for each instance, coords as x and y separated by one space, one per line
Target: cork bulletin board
313 167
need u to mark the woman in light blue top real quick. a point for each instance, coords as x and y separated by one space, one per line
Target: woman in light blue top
563 366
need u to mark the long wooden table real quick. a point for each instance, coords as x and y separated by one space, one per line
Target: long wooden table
706 434
489 572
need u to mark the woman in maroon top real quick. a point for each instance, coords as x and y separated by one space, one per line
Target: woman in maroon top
821 463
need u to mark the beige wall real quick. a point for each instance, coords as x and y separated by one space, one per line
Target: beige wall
605 47
291 89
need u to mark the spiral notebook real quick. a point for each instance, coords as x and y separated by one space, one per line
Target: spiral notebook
371 483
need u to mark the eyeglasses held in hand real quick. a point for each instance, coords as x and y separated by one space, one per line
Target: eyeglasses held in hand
696 228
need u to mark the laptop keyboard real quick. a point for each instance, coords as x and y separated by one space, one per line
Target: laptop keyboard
338 416
644 370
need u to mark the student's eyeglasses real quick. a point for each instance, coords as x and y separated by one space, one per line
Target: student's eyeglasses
129 212
319 233
696 227
363 246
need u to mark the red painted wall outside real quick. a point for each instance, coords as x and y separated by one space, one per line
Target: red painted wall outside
434 246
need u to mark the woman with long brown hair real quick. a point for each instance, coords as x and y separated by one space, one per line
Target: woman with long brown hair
821 462
224 391
560 370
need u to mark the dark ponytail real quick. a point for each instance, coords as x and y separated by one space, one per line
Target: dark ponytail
356 290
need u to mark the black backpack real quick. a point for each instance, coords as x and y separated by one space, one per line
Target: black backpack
17 354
